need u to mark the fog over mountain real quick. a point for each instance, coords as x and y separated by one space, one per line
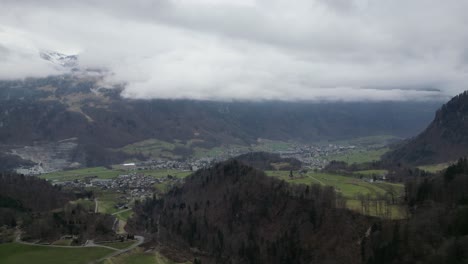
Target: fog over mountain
347 50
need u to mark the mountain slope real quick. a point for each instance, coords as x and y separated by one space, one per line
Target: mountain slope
445 139
48 110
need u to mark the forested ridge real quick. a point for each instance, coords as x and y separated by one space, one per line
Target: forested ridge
44 212
233 213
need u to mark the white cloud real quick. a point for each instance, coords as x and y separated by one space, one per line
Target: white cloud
249 50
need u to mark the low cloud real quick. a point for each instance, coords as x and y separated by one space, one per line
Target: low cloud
347 50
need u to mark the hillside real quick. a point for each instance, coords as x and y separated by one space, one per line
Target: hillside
44 212
233 213
97 122
269 161
445 139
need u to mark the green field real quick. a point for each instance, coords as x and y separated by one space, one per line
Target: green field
370 141
396 211
139 257
371 172
69 175
125 215
435 167
14 253
349 187
359 156
107 202
119 245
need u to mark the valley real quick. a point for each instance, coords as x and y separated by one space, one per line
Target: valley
233 132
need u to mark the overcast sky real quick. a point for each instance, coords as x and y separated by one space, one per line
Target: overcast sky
248 49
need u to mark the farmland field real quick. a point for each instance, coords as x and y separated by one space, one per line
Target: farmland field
435 167
360 156
348 186
125 215
14 253
107 202
371 172
69 175
120 245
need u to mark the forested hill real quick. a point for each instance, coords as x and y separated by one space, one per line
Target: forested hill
45 213
445 139
436 232
72 107
233 213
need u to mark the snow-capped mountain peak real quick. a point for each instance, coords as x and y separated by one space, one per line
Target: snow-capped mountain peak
60 59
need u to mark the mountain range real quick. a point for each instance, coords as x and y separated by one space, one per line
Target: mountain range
79 108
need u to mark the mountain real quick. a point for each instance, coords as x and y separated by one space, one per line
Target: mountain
445 139
233 213
91 123
59 59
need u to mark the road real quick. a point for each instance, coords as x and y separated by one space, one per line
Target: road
89 243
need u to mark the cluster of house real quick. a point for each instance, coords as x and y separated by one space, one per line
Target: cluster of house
134 184
186 165
316 156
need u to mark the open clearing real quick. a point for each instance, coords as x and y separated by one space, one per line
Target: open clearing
69 175
360 156
119 245
139 257
348 186
434 168
14 253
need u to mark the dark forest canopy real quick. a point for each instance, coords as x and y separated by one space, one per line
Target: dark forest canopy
43 211
233 213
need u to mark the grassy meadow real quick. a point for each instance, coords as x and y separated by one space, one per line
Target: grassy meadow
434 168
70 175
137 256
15 253
359 156
349 187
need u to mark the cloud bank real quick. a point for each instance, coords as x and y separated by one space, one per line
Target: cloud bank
347 50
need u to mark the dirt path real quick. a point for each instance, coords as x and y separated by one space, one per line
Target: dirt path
125 210
321 182
140 240
96 207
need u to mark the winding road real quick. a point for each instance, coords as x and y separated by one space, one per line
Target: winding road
89 243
